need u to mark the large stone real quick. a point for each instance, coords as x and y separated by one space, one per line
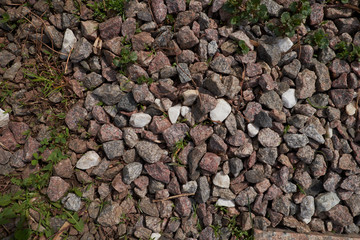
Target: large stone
57 188
149 151
326 201
110 215
88 160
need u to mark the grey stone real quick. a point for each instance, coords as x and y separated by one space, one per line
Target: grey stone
93 80
271 100
10 73
246 197
131 171
307 209
127 103
149 151
312 133
269 51
6 57
110 215
267 155
221 65
184 72
114 149
326 201
296 140
235 165
203 190
82 50
109 94
72 202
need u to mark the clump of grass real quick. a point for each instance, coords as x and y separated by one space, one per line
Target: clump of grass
317 38
252 11
289 21
104 8
347 51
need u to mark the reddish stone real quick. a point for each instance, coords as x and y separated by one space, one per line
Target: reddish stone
159 171
201 133
317 14
142 182
238 139
217 144
100 115
109 132
210 162
141 40
75 117
183 206
8 141
252 109
110 28
338 67
31 146
78 145
341 97
253 69
57 188
175 133
159 62
119 185
64 168
20 130
340 215
159 124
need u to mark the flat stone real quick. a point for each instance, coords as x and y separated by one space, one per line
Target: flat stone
296 140
288 98
149 151
4 118
131 171
221 111
88 160
72 202
326 201
57 188
221 180
140 120
110 215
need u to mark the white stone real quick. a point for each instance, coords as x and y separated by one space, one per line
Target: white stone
184 110
189 97
253 130
307 209
284 44
190 187
159 105
4 118
140 120
350 109
288 98
221 180
155 236
88 160
221 111
225 203
174 113
329 131
326 201
68 43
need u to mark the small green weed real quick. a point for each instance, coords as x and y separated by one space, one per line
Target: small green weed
236 230
103 8
350 52
143 79
244 49
289 21
317 38
250 10
126 57
301 189
216 229
222 209
49 81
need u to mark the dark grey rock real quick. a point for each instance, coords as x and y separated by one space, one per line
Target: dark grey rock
296 140
267 155
131 171
82 50
127 103
109 94
114 149
203 190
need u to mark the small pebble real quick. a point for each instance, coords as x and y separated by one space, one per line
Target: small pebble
288 98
